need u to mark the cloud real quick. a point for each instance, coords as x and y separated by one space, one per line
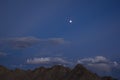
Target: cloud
24 42
18 65
97 59
99 62
47 60
2 54
115 63
21 42
101 67
57 40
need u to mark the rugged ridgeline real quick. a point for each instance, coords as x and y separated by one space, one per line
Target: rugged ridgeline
56 72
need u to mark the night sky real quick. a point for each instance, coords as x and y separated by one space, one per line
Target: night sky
47 32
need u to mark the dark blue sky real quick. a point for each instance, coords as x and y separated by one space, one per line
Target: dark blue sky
40 29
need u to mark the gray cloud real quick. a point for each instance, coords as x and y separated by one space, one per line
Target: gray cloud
2 54
24 42
56 40
99 62
47 60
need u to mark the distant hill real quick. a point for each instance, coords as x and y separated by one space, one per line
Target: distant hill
57 72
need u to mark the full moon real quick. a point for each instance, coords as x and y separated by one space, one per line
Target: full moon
70 21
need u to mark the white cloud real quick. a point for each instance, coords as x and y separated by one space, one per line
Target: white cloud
100 59
97 59
47 60
98 62
38 60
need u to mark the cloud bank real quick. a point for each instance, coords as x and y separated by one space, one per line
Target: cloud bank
99 63
24 42
47 60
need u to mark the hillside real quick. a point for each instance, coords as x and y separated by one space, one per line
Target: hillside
56 72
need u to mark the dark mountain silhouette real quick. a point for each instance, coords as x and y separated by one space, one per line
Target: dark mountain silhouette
56 72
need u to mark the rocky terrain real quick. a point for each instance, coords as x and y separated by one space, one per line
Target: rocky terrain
56 72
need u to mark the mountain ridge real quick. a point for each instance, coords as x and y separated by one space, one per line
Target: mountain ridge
56 72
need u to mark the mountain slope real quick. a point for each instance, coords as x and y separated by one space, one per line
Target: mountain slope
56 72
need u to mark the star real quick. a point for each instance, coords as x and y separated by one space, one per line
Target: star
70 21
